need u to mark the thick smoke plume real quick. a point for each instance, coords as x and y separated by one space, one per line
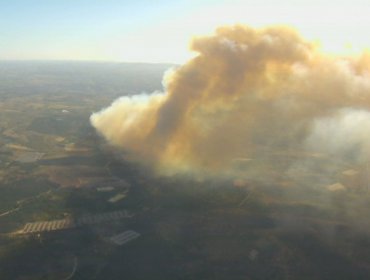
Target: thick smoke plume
248 93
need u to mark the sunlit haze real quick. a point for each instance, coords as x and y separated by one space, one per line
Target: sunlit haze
148 31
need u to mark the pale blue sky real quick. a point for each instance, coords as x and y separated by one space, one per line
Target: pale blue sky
159 31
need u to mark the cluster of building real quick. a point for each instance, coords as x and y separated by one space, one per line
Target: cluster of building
48 226
67 223
70 223
103 217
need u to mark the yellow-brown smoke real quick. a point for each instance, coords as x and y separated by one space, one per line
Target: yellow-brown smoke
246 90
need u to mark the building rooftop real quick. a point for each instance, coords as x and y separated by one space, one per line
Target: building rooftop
124 237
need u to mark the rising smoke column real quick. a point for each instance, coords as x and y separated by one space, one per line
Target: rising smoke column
246 90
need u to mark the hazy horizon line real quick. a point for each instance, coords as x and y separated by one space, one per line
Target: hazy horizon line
85 61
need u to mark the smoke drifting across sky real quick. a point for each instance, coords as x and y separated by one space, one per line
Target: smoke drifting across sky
247 91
